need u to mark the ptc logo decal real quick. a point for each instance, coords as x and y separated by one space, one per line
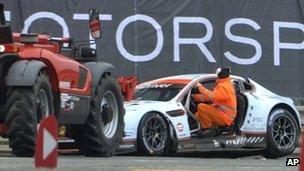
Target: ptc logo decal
180 127
2 48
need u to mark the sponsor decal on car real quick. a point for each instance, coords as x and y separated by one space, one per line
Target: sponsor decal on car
277 112
257 119
236 142
180 127
160 85
216 143
154 86
68 101
64 97
244 140
64 84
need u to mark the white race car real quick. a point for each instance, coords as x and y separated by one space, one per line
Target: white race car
161 120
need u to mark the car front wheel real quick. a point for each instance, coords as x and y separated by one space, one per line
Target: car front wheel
153 135
282 134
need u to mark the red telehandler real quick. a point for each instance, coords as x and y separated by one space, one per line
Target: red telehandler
41 77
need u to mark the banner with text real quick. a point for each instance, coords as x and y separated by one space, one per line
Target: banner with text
263 40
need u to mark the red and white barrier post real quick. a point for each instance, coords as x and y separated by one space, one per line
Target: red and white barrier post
46 151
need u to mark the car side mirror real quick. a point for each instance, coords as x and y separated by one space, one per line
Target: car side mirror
95 28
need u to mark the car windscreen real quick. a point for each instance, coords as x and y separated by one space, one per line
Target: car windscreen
158 92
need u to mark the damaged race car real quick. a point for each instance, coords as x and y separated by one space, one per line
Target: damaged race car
160 121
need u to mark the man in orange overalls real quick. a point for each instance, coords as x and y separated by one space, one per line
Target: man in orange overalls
222 110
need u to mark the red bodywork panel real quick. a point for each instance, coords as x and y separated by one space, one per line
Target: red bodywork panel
60 69
66 75
3 129
128 85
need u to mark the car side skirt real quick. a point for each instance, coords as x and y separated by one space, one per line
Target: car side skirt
127 146
228 142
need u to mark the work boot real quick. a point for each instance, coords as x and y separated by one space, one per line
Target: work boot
200 133
210 132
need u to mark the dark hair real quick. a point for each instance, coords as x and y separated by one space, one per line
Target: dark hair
225 72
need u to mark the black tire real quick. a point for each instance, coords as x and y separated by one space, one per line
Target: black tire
24 110
91 137
146 143
282 133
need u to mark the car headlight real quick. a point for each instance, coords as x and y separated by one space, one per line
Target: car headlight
176 113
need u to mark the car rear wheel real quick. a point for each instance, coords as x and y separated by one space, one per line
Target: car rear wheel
282 134
153 135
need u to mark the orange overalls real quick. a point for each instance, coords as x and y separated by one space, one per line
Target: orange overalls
222 111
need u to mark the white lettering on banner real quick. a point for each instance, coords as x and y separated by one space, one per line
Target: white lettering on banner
245 40
139 58
78 16
200 42
7 15
49 15
279 45
106 17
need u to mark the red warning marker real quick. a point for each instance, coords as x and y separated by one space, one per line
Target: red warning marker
46 151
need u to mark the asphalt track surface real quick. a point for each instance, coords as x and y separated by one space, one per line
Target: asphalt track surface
225 161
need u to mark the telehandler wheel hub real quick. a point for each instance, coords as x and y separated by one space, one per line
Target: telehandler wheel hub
110 114
107 113
43 109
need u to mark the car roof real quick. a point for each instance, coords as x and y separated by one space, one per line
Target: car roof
184 80
186 76
181 79
178 79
